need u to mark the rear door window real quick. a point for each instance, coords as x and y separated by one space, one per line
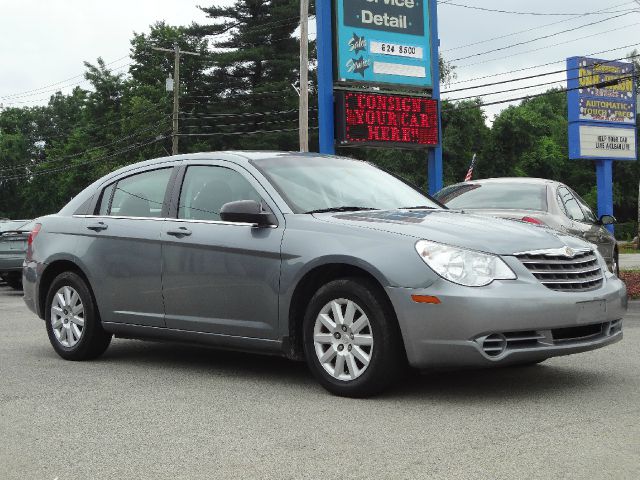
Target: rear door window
570 204
586 209
140 195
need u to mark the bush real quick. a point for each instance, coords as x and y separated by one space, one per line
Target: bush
626 231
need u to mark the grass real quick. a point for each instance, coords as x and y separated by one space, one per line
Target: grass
627 249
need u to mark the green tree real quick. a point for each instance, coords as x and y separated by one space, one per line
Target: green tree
256 62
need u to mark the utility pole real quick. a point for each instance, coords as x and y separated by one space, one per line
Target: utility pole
176 90
303 115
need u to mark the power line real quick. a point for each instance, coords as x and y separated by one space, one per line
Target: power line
57 89
541 14
103 125
539 38
61 81
255 132
480 42
552 92
530 86
247 114
546 47
270 122
528 77
76 165
541 65
262 27
74 155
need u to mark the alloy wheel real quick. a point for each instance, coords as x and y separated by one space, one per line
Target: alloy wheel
343 339
67 316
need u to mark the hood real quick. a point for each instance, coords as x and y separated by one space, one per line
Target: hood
487 234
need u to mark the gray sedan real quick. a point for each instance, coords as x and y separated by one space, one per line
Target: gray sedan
13 247
538 201
311 257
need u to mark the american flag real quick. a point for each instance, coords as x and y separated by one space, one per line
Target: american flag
470 171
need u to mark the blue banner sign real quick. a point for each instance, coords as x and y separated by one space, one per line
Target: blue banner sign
384 42
602 109
600 91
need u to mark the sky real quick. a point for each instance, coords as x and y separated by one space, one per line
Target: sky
45 42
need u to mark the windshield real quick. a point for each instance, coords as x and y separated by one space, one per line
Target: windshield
311 184
502 196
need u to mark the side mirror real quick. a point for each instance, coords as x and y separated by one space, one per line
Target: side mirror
246 211
607 220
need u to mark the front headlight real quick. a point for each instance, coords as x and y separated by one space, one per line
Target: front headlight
462 266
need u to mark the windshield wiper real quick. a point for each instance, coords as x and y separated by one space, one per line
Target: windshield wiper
340 209
418 207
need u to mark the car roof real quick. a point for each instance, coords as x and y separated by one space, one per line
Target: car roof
507 180
239 156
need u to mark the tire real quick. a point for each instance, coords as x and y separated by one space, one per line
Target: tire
616 268
14 280
78 334
371 322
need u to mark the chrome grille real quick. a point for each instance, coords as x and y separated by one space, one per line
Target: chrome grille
564 270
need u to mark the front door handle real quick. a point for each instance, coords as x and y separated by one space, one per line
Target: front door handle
97 227
180 232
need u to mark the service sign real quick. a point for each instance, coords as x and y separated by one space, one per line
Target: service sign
364 118
384 42
602 142
590 100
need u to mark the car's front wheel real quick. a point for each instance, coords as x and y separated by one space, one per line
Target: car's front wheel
72 319
351 339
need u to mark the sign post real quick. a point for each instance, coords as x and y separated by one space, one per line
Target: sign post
378 77
324 41
602 119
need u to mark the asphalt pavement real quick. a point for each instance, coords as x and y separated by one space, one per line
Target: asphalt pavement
165 411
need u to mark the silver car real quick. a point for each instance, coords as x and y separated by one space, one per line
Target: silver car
538 201
311 257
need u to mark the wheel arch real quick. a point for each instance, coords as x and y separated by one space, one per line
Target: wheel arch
308 285
48 275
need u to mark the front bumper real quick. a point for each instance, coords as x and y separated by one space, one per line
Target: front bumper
506 322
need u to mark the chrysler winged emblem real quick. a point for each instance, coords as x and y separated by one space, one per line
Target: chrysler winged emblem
568 251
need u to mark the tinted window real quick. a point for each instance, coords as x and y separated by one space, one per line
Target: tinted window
571 206
206 189
10 225
315 183
141 195
521 196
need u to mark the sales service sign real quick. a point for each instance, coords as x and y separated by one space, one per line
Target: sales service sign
602 109
384 42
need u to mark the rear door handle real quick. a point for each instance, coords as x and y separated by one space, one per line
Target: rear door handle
96 227
181 232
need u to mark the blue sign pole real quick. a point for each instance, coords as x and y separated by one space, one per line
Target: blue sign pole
325 76
434 161
604 182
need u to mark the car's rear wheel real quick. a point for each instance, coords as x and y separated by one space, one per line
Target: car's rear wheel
351 339
14 280
72 320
